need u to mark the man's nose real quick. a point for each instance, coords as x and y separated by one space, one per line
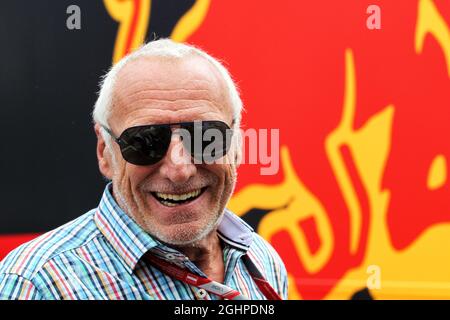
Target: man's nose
177 165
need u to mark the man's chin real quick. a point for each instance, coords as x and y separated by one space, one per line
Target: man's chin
183 234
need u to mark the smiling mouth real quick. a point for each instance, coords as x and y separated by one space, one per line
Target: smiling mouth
173 200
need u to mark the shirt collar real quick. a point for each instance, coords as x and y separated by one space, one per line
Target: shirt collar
131 242
234 231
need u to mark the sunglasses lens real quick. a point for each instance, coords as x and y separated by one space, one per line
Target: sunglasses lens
145 145
208 141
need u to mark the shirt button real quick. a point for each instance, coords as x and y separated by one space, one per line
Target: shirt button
170 256
201 293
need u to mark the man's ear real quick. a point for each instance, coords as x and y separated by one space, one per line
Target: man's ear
103 154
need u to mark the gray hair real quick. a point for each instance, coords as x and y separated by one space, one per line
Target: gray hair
162 48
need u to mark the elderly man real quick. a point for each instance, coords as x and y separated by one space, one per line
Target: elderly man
161 230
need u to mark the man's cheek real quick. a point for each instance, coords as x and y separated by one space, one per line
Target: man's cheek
229 180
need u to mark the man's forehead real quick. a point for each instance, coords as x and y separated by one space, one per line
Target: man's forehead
158 83
170 73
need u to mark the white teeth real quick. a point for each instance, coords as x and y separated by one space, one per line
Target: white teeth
177 197
169 204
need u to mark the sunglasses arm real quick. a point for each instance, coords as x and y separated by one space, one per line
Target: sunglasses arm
118 140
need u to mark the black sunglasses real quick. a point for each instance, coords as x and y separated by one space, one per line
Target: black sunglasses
206 141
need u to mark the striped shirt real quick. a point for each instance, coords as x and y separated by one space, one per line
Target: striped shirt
99 256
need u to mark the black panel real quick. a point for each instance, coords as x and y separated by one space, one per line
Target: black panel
164 16
48 85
